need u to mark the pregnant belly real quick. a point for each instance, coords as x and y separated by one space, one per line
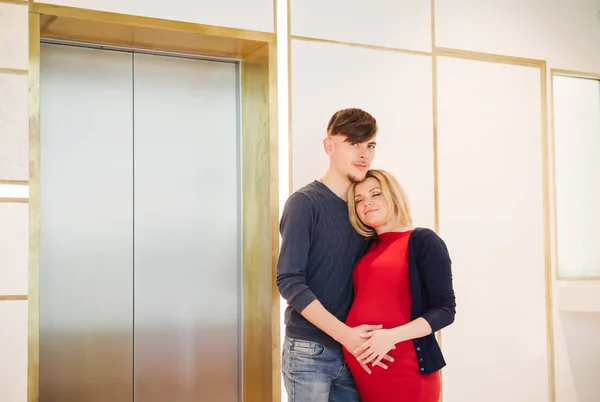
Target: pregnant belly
377 313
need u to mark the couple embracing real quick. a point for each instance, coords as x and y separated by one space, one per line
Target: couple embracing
366 290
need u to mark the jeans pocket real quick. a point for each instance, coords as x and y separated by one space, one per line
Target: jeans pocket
310 349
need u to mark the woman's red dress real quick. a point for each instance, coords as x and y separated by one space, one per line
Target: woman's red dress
382 296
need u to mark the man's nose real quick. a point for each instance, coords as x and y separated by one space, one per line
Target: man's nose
362 152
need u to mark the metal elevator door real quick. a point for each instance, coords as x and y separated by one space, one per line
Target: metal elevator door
140 261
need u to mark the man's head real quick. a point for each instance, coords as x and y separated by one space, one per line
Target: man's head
350 143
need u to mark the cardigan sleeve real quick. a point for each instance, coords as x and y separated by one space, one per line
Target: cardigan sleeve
435 267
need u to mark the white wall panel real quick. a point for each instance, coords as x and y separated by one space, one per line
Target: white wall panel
402 24
566 33
14 251
257 15
491 216
394 87
14 127
13 351
13 35
577 355
577 172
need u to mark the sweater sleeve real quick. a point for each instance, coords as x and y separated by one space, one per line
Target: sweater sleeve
295 228
435 266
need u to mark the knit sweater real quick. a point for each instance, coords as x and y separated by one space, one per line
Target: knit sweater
319 249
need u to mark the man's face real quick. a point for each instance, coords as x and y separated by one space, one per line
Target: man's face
351 160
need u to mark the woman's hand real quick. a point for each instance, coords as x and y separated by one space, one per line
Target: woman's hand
377 345
356 337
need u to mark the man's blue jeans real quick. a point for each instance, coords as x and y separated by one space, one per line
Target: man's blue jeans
314 373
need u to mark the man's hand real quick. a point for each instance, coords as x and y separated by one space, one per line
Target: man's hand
352 340
378 344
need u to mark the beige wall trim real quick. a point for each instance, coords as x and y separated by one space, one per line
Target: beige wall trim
436 198
274 221
547 235
16 71
260 182
275 20
19 2
575 74
361 45
590 278
489 57
14 200
15 182
432 15
260 241
552 163
12 297
147 22
289 66
33 345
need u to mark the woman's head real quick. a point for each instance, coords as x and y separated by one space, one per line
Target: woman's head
378 204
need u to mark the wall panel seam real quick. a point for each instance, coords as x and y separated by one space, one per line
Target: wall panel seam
14 71
13 297
15 182
361 45
14 200
17 2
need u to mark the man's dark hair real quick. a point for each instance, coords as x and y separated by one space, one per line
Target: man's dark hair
356 124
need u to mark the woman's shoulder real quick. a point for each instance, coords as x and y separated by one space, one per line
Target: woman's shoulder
425 238
424 234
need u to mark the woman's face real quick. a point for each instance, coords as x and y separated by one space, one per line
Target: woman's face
371 206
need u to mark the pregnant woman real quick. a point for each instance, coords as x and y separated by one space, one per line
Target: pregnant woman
404 282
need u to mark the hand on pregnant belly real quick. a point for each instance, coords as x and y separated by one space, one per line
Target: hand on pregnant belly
355 338
378 343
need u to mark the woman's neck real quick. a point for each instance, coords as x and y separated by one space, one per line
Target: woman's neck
386 228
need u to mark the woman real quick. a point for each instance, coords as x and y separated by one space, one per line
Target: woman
404 282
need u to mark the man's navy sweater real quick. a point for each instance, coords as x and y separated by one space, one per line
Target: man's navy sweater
319 249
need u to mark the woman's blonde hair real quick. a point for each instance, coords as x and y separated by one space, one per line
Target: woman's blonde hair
394 195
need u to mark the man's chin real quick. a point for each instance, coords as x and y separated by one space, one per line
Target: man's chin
354 178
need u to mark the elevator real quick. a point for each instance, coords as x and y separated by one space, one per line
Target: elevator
140 227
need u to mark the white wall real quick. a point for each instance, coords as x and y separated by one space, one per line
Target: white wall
256 15
576 104
14 147
490 148
401 24
577 152
14 166
562 32
490 195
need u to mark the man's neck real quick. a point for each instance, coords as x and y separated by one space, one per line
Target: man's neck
338 185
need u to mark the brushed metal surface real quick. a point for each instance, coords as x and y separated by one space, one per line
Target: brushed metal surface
187 234
86 226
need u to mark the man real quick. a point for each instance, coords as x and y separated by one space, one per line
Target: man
319 249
